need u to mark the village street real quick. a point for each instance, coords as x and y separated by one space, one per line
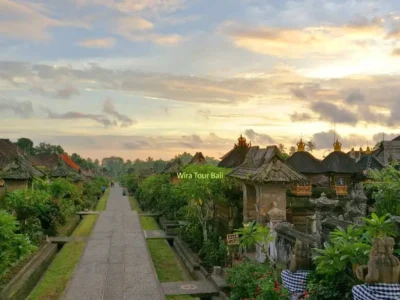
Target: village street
116 263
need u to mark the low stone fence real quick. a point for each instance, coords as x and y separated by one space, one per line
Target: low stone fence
22 284
286 238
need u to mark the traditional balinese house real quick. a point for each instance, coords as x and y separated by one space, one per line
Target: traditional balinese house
265 177
198 159
341 169
88 174
388 151
16 169
173 168
306 164
369 162
235 157
145 173
60 166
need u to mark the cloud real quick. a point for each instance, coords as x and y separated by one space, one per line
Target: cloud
354 96
110 118
140 30
20 108
258 138
30 21
98 43
378 137
331 112
300 117
396 52
191 141
129 6
296 43
123 120
73 115
205 113
66 92
325 140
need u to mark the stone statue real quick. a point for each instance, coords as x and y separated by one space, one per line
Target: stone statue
300 258
383 266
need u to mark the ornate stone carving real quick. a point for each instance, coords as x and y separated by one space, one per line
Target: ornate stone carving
276 214
383 266
300 259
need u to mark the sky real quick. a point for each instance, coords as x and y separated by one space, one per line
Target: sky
139 78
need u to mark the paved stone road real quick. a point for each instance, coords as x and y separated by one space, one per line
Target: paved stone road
116 264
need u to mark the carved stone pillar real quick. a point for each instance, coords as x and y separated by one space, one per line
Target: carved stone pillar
323 209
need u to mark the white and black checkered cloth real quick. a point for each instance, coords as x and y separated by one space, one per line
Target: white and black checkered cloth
295 282
379 291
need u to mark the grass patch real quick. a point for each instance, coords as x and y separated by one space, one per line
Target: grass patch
164 260
101 205
134 204
60 271
149 223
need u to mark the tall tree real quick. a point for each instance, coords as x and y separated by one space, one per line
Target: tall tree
26 145
282 148
310 146
45 148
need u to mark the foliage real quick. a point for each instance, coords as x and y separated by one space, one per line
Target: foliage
344 250
203 190
45 148
192 234
153 191
13 246
251 280
26 145
214 252
254 234
379 227
92 192
130 181
333 287
385 190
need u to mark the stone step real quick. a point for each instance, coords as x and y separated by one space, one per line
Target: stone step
195 288
156 234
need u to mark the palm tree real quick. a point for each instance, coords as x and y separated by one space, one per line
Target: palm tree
292 150
310 146
282 148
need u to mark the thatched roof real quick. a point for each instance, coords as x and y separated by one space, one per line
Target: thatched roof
58 166
198 159
20 168
173 167
266 165
64 171
370 162
305 163
14 164
235 157
88 173
340 162
146 173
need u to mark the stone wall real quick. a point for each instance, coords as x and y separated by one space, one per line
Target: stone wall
286 239
12 185
269 193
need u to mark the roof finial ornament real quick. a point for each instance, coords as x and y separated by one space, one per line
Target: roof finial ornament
242 142
337 146
301 145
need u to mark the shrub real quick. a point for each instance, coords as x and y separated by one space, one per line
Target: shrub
13 246
251 280
214 252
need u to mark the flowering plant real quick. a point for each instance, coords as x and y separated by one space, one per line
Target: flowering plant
253 281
